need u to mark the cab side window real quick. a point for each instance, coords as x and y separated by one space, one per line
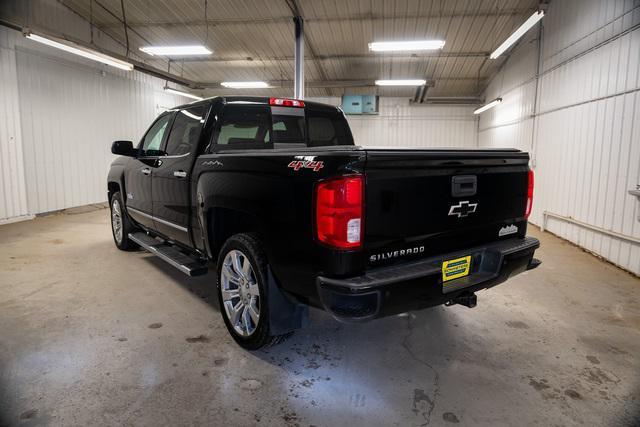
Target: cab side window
152 141
185 132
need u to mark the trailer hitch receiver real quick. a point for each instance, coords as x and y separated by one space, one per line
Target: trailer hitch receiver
468 299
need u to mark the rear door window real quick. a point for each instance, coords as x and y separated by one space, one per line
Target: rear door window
185 131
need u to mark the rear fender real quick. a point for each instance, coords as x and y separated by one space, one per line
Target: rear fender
221 223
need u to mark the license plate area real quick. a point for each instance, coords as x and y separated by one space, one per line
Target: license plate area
456 268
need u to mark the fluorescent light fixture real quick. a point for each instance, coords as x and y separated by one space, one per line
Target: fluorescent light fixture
181 93
489 105
176 50
81 51
192 116
517 34
245 85
400 82
406 45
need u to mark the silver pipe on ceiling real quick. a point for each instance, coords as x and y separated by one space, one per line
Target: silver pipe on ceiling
298 85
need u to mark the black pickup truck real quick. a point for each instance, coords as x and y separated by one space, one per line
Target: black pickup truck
295 215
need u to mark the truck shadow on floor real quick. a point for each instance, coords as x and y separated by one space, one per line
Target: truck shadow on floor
323 330
327 343
204 287
321 323
352 367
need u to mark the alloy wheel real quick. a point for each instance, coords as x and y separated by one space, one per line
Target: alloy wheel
116 220
240 293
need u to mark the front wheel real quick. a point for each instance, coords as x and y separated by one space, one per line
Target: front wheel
242 292
121 224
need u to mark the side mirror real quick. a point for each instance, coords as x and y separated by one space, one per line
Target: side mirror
123 148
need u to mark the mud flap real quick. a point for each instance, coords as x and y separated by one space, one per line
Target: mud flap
285 315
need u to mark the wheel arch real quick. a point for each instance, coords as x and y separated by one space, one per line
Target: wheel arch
115 183
222 223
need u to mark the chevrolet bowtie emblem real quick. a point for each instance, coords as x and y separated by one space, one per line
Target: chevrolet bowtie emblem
462 209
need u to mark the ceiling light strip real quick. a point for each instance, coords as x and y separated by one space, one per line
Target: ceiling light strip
81 51
488 106
411 82
182 93
176 50
397 46
517 34
245 85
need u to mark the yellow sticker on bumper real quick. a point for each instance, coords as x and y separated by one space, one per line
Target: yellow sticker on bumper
455 268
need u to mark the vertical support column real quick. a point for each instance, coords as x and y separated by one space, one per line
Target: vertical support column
298 84
535 120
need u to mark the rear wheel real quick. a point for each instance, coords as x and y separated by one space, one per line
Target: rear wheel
121 225
242 292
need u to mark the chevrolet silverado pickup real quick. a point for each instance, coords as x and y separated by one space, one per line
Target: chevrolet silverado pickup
274 193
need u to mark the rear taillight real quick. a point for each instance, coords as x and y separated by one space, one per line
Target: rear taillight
527 209
339 210
286 102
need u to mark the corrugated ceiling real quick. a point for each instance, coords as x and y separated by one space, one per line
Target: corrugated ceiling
253 39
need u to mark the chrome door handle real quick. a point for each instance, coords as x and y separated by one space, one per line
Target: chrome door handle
180 174
146 171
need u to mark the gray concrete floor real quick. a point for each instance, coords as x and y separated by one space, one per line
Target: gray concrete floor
90 335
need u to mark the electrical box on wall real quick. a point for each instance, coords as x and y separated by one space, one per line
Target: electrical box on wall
360 104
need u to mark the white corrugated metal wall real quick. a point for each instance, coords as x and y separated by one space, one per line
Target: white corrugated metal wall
400 124
582 126
59 115
13 195
70 114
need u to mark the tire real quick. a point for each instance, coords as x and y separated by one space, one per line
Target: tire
241 299
121 225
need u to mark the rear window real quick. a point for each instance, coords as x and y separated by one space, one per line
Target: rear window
327 128
245 126
288 125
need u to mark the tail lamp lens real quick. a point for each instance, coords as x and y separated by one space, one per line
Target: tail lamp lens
527 210
339 210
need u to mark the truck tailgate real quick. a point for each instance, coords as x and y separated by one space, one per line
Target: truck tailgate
423 202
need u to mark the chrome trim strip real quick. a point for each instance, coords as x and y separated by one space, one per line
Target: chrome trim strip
165 156
139 212
160 220
170 224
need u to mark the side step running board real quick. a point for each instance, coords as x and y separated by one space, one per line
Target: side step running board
188 265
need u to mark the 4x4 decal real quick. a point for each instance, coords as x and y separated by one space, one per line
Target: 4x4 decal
306 163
